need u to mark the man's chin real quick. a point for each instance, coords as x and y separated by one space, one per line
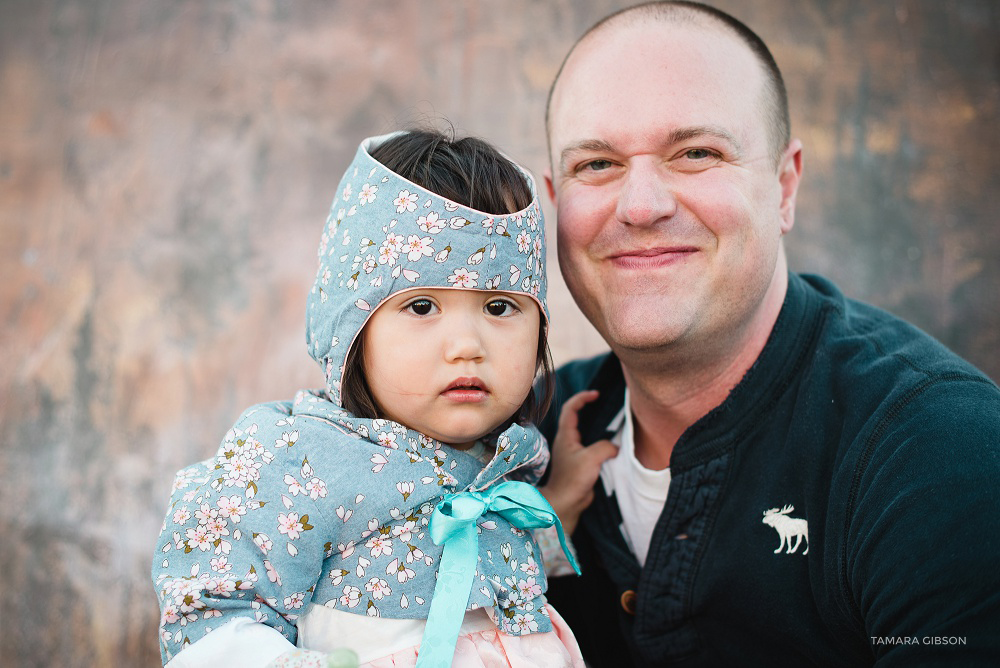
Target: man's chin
643 337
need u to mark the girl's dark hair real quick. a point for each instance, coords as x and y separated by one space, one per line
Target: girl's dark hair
470 172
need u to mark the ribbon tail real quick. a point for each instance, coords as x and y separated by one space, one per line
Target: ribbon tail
562 541
456 571
524 506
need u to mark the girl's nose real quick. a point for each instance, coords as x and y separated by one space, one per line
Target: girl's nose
645 197
464 340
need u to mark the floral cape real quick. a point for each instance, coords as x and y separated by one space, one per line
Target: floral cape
304 502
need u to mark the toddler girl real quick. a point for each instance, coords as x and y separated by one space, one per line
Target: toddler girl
388 512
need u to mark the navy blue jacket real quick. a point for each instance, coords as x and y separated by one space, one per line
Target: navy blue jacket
840 507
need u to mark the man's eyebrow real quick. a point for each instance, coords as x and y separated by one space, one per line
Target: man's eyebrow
584 145
675 137
684 134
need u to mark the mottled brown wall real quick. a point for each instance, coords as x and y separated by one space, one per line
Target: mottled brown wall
166 167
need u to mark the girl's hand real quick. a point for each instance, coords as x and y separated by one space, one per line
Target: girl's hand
574 468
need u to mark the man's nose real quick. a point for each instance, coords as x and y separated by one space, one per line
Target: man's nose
464 340
645 196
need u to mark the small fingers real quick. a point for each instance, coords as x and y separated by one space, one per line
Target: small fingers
568 414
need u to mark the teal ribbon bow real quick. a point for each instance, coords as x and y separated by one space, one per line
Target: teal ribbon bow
453 523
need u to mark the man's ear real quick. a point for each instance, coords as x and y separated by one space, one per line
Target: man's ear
789 176
549 185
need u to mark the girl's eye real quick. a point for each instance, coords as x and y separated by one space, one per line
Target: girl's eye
420 307
500 308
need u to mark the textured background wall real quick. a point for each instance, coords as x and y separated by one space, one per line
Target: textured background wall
166 168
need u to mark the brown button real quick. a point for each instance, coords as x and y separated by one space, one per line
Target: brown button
628 601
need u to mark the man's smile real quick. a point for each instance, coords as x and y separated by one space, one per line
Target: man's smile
651 258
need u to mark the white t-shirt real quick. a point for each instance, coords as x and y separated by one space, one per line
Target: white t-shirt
641 492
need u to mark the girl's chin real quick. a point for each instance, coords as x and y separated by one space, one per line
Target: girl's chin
463 441
462 446
464 435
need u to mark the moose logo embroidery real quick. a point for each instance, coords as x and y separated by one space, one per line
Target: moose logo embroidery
788 528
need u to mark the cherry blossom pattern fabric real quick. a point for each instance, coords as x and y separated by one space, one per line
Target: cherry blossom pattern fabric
386 234
304 503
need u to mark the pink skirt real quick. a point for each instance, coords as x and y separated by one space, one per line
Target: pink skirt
493 649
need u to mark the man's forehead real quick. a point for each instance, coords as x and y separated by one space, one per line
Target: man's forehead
623 74
665 46
634 32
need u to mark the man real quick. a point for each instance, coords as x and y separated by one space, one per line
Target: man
803 479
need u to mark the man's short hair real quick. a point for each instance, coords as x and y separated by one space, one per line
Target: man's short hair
680 12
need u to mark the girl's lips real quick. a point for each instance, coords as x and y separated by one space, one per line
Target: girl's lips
466 390
465 395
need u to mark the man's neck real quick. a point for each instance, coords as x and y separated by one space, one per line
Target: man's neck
673 389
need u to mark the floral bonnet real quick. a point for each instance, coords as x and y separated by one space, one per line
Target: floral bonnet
385 234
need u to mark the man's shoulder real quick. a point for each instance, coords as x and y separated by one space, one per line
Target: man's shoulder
896 384
865 343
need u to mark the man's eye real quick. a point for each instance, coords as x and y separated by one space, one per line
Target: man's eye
595 165
420 307
699 154
500 307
